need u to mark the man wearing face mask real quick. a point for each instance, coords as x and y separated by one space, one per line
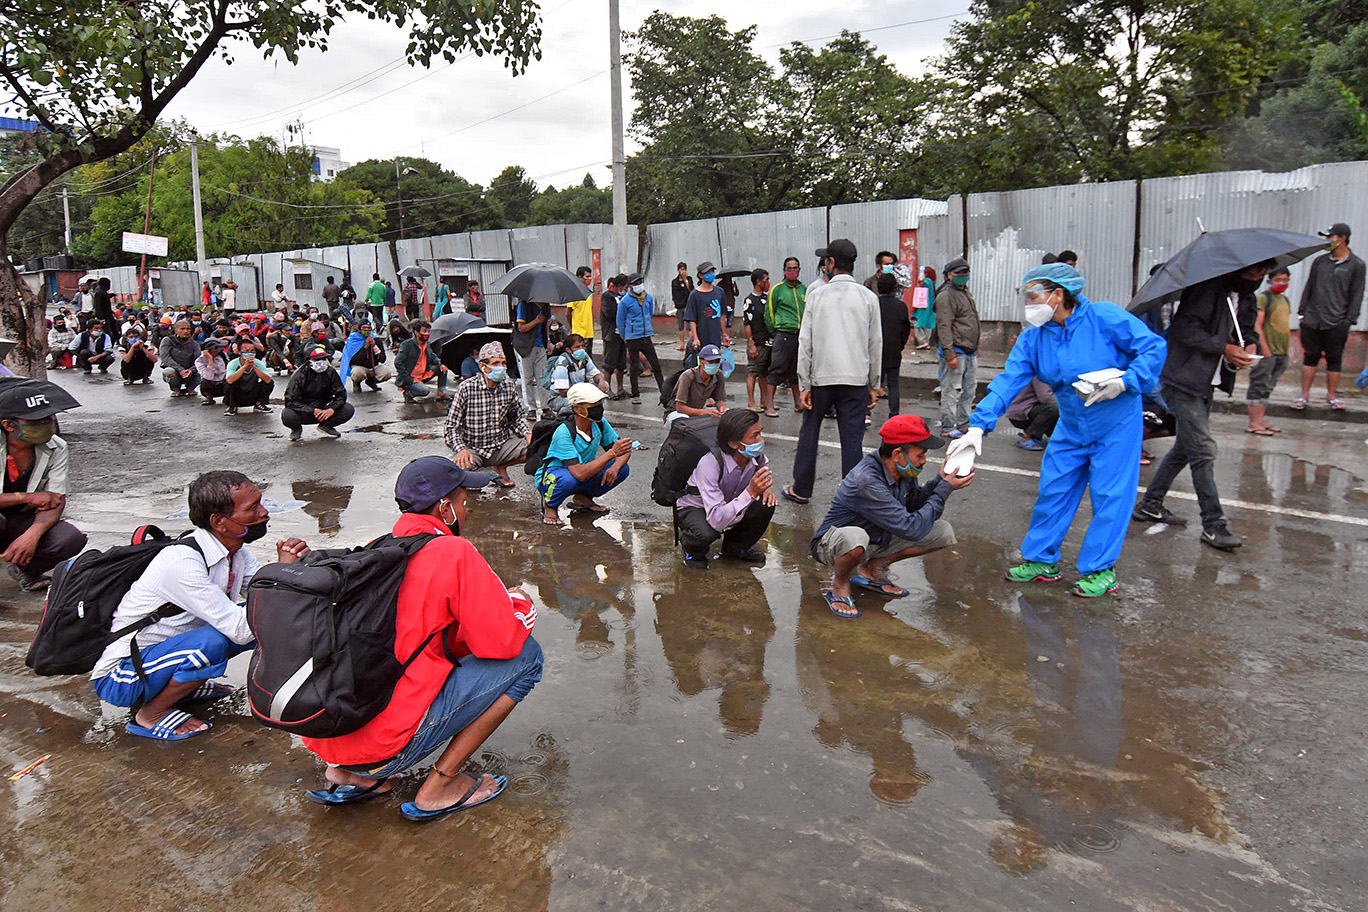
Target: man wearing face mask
586 458
575 366
784 307
363 358
1330 305
730 495
1274 338
703 314
316 395
1211 337
635 309
416 364
957 331
486 426
206 578
884 261
1096 441
881 514
700 390
33 537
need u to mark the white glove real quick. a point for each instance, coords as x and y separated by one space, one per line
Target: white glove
1107 389
972 439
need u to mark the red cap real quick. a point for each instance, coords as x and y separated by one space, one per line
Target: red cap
901 429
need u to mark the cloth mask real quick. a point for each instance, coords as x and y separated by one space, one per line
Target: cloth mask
959 281
253 532
1277 289
752 450
36 432
497 374
1245 286
318 366
907 470
710 277
594 412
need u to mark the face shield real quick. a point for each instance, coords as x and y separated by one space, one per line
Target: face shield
1037 302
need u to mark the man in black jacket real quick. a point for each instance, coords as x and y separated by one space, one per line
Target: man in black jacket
316 395
1212 336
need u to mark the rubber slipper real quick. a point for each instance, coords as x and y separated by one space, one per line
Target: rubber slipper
597 509
772 413
1299 403
208 692
165 729
787 492
548 521
832 600
346 794
413 812
504 483
1337 404
1261 432
877 586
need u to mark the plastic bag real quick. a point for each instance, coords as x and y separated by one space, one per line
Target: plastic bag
728 362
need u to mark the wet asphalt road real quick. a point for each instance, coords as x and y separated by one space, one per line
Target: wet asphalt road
718 740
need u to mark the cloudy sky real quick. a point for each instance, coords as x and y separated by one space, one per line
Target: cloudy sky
475 118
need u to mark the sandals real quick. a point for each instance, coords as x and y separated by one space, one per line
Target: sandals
165 729
1300 403
772 413
596 509
207 692
412 811
832 600
347 794
1260 431
1336 403
877 586
787 492
504 483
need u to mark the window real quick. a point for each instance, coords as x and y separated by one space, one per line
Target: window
304 282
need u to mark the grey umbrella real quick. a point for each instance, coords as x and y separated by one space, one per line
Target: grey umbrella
732 272
1217 253
543 283
457 336
417 272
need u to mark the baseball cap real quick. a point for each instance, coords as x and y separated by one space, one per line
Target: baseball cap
32 400
1338 228
428 479
710 353
632 279
585 394
841 247
318 352
909 429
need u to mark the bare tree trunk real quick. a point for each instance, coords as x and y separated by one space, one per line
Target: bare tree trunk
22 319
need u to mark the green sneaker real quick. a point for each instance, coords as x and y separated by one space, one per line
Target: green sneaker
1099 582
1032 572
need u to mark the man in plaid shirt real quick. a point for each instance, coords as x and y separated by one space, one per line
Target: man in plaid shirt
486 426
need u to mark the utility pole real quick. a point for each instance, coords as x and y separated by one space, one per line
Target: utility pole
200 266
619 155
147 224
399 193
66 217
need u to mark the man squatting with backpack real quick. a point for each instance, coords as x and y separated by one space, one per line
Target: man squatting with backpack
729 494
479 661
207 579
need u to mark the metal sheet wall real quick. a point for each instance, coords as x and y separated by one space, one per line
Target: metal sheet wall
876 226
581 239
690 242
362 260
451 246
497 307
411 250
489 245
539 244
766 238
249 286
180 288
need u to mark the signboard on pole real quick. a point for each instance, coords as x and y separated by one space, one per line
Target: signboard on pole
148 244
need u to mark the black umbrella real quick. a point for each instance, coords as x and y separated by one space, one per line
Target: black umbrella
731 272
1217 253
33 400
457 336
417 272
542 283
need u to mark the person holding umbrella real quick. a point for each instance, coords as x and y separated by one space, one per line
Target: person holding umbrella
1096 443
33 536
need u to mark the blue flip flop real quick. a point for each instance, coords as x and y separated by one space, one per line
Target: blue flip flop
877 586
207 692
832 600
165 729
413 812
346 794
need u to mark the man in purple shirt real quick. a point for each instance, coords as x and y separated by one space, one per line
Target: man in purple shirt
730 495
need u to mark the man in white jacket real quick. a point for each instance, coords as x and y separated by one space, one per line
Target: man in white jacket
840 355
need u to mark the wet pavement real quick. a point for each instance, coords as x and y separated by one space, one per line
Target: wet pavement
718 740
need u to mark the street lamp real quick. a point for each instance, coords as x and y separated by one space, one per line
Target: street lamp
399 192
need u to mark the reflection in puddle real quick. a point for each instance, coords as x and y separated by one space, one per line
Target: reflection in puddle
324 502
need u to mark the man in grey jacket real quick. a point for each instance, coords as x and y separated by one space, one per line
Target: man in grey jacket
840 357
177 354
1329 308
957 332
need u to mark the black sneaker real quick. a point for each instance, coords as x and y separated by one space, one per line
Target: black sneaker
330 431
696 561
1143 512
1221 538
296 433
261 407
749 555
230 410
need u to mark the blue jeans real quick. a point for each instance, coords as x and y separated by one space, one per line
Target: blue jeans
196 655
1193 447
852 405
557 484
470 689
420 390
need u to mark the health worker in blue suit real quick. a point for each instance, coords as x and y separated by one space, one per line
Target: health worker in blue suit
1096 444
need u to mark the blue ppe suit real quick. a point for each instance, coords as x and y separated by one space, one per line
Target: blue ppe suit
1097 446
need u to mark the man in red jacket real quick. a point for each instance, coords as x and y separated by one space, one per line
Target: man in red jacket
447 586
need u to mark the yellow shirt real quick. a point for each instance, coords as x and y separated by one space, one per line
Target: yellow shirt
582 317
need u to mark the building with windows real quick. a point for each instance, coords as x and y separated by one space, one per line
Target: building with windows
328 163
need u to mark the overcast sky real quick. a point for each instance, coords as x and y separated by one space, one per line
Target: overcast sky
462 115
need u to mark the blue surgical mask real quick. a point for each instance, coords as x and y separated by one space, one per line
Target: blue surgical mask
711 367
638 289
753 450
710 277
497 374
887 267
579 354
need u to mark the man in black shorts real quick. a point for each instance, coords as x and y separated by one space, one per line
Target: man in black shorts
783 317
758 341
1330 306
614 360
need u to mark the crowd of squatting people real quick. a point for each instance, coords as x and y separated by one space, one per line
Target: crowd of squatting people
834 342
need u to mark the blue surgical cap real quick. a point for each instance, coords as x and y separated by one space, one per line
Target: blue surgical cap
1062 274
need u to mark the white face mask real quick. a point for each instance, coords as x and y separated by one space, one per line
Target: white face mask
1038 314
639 289
318 366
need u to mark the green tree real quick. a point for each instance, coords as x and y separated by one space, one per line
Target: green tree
434 200
580 205
510 196
96 76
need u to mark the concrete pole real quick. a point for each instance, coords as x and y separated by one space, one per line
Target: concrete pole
200 266
620 247
66 217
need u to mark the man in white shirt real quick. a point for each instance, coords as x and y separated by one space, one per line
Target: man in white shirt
207 580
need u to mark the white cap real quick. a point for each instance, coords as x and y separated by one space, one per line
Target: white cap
585 394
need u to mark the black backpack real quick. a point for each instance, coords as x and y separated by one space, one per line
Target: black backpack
667 392
689 440
324 663
85 591
542 432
